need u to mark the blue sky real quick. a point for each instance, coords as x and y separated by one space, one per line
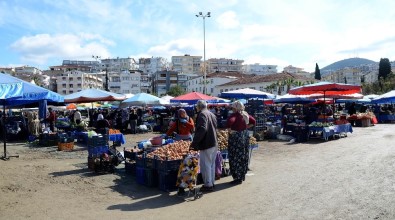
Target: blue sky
301 33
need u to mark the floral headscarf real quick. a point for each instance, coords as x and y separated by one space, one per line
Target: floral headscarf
239 107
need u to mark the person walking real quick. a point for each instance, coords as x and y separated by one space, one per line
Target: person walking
133 121
238 142
206 141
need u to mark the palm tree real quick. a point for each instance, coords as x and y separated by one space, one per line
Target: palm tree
270 88
279 85
289 82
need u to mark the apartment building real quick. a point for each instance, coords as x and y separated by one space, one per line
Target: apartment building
354 75
196 84
162 81
186 64
75 81
224 65
125 82
259 69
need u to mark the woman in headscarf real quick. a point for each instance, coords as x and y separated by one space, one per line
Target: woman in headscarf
102 124
183 126
238 143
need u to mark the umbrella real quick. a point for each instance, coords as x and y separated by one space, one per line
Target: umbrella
328 89
388 97
142 99
106 105
167 98
293 99
191 98
247 93
71 106
93 95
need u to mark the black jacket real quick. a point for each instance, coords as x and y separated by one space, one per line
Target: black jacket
206 131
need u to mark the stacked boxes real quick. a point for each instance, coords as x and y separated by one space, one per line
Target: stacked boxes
47 140
97 145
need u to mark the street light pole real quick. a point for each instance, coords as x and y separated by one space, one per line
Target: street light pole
204 49
96 58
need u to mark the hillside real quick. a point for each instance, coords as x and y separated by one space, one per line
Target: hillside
347 63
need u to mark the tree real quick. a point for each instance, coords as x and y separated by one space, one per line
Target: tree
176 91
317 74
384 68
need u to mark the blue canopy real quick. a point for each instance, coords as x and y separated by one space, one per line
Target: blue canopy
10 90
388 97
31 93
246 93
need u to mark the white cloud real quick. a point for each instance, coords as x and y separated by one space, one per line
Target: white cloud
42 47
228 20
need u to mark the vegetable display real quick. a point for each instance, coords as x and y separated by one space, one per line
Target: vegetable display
172 151
114 131
222 136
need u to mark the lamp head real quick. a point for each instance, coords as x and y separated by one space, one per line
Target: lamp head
208 14
197 15
200 13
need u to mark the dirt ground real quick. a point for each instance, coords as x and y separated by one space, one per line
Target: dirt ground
346 178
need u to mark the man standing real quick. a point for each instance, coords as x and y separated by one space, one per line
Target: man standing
51 119
206 141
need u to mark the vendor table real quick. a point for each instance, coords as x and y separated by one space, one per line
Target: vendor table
326 131
386 118
343 129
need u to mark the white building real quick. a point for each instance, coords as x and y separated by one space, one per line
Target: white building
259 69
152 65
186 64
125 82
272 83
213 80
75 81
367 73
118 65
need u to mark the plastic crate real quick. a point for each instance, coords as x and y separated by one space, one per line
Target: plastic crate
130 167
150 177
95 151
131 155
168 165
140 175
98 140
167 181
150 163
65 146
140 161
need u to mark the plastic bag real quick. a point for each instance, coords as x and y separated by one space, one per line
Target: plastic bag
91 133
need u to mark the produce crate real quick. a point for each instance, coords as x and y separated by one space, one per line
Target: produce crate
167 181
65 146
140 175
150 163
96 151
47 140
98 140
150 177
130 154
130 167
140 161
168 165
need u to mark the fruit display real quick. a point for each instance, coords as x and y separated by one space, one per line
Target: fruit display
114 131
222 139
172 151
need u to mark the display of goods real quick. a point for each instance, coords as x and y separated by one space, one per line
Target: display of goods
65 146
114 131
222 136
172 151
341 122
131 153
320 124
62 123
253 141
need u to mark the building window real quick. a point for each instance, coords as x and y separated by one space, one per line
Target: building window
212 90
70 85
226 90
221 90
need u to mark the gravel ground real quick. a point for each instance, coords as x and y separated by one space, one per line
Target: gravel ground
346 178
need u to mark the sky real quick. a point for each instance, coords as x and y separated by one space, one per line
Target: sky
301 33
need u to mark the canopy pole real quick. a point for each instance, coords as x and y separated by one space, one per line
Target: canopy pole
4 135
